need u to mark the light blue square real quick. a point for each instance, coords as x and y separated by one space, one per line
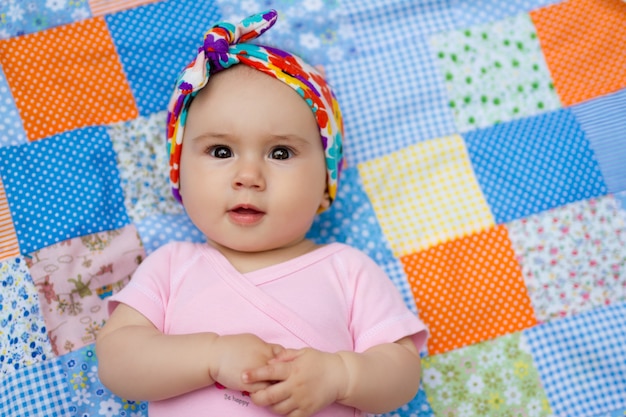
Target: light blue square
604 121
582 361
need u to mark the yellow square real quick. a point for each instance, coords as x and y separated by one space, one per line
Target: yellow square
426 194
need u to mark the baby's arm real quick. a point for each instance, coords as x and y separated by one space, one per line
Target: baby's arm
137 361
378 380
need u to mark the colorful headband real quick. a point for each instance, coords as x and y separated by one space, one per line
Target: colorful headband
225 45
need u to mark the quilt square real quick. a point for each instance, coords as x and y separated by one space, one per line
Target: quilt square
425 194
9 247
11 130
317 31
166 35
582 361
62 187
573 257
23 335
143 166
88 396
74 279
494 72
83 80
589 61
495 378
469 290
37 390
383 114
604 124
534 164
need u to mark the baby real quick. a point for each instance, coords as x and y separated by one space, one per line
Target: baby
259 321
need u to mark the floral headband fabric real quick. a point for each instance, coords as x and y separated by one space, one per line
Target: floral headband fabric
225 45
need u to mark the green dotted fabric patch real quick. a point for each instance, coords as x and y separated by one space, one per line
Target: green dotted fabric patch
494 73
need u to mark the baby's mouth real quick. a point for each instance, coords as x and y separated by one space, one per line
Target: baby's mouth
245 214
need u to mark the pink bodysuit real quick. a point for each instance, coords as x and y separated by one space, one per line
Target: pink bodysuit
333 298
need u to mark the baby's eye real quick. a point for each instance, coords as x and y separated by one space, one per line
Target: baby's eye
220 151
281 153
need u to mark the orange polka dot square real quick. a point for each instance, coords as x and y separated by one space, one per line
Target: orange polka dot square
469 290
583 44
65 78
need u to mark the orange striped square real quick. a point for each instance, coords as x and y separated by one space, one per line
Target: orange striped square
469 290
583 44
9 248
67 77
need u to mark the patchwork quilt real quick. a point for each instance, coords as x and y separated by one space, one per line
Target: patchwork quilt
486 150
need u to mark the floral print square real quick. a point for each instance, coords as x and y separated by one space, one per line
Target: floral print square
573 257
23 334
143 165
22 17
496 378
494 72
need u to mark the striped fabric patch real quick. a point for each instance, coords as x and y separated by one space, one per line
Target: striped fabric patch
9 247
604 122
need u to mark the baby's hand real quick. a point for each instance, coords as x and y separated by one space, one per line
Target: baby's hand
235 354
306 381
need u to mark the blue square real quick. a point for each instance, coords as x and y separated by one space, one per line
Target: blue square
36 390
390 98
582 361
534 164
166 35
604 121
63 187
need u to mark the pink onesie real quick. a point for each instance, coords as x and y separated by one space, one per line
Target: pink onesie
333 298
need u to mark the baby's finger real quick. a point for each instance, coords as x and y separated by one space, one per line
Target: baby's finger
276 371
276 396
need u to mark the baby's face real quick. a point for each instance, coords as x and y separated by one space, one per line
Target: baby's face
253 172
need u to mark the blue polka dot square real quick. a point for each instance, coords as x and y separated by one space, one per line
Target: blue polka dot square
63 187
534 164
582 361
351 220
154 44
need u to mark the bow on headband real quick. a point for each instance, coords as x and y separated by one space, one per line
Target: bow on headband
225 45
